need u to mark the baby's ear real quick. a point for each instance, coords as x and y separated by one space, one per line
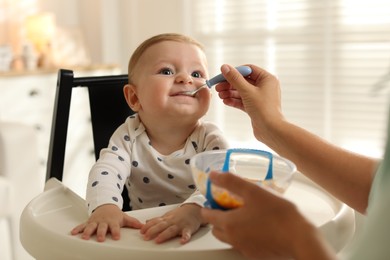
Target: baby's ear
130 92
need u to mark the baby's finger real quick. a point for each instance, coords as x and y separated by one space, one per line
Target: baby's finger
132 222
185 236
150 223
89 229
101 232
77 230
115 231
152 231
166 234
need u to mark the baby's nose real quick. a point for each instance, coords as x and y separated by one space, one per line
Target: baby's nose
184 78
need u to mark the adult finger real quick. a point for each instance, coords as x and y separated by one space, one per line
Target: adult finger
221 234
257 78
211 216
234 77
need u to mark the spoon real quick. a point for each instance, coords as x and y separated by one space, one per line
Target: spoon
244 70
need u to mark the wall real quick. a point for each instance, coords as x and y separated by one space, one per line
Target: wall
113 29
144 18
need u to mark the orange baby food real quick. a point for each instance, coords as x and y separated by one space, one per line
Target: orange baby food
226 200
223 197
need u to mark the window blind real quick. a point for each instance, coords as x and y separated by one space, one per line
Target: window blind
329 55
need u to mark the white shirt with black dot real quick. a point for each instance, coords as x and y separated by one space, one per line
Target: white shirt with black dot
152 179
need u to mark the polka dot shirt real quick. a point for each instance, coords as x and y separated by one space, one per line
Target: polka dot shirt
152 179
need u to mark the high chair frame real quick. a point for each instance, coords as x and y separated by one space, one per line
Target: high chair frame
108 109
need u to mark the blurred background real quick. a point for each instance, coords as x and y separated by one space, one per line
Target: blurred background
332 58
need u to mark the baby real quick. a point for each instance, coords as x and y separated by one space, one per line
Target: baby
150 152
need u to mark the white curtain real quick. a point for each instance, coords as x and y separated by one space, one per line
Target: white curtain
331 56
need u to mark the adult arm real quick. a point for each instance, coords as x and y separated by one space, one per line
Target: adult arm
346 175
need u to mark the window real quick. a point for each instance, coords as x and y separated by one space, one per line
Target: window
329 56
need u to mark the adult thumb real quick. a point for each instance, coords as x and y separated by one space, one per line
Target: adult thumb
234 77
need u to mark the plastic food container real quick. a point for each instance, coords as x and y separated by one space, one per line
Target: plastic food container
261 167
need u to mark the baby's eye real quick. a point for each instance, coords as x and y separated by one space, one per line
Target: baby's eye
196 74
166 71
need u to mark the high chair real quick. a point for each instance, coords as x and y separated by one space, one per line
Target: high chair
47 220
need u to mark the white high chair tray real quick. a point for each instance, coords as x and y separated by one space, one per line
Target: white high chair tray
47 220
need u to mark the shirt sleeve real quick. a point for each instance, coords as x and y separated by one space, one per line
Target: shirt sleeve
196 198
213 137
108 175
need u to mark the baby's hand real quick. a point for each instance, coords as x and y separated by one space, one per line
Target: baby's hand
182 221
106 218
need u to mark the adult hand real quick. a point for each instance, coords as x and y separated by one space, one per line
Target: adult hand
106 218
266 225
333 168
258 95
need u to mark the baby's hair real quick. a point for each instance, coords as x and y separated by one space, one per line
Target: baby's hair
157 39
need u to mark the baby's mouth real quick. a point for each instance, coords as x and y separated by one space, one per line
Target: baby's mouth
183 93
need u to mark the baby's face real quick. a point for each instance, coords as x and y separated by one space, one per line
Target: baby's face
164 71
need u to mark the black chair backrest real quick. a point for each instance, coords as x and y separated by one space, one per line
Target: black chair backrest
108 110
